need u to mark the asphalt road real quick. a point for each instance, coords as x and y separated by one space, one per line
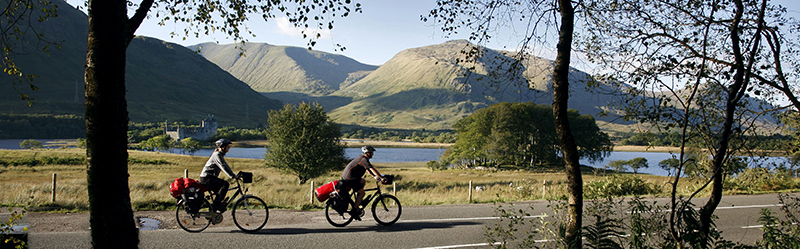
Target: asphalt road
445 226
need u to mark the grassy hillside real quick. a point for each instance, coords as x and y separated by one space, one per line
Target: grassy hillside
425 88
268 68
165 81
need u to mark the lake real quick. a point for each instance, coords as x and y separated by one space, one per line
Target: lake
395 155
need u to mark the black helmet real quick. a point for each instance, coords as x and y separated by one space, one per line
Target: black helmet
367 148
222 142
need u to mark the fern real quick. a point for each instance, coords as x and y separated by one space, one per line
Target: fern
603 233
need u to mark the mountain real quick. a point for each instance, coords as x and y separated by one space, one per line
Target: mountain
426 88
268 68
418 88
165 81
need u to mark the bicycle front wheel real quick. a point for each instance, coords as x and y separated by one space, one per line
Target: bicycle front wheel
250 213
386 210
194 222
334 217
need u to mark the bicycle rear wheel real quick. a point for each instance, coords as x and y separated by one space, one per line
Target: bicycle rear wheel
334 217
250 213
386 210
194 222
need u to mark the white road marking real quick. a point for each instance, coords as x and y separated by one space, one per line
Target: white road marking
466 219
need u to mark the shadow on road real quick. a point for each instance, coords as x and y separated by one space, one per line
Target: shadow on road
397 227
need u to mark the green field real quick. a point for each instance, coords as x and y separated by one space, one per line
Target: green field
152 172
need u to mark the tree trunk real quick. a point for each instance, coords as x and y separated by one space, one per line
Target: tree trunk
568 146
735 93
111 216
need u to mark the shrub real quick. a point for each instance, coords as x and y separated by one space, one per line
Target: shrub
619 185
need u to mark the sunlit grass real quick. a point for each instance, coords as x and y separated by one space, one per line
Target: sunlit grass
149 183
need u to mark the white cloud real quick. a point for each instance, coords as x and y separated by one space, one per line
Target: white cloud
287 28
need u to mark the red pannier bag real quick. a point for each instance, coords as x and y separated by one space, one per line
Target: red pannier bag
177 187
324 191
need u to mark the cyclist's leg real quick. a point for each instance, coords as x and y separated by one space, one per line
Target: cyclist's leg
361 193
219 186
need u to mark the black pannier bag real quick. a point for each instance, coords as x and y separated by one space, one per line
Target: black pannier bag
247 177
192 200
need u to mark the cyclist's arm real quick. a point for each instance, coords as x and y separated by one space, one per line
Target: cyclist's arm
375 174
227 169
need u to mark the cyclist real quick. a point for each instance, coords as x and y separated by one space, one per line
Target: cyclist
215 164
352 177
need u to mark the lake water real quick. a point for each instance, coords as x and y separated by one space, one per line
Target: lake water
395 155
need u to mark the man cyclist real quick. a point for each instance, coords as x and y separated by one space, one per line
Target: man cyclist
215 164
352 177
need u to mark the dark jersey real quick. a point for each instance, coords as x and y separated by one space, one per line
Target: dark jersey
356 168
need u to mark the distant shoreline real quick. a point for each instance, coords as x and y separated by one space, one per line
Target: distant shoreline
355 143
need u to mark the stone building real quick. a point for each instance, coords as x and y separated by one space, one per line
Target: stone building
206 131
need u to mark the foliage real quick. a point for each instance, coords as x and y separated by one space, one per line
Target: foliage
162 142
515 230
435 165
241 134
417 136
634 164
521 134
30 144
80 160
22 126
759 179
8 234
44 160
190 145
709 69
781 232
619 185
303 141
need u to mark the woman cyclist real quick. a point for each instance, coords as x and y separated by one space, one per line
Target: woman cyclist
215 164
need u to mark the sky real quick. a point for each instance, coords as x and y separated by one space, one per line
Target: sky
384 28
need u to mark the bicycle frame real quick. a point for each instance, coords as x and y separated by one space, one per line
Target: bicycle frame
249 212
227 201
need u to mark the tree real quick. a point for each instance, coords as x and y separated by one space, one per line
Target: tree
110 33
693 66
162 143
521 134
304 141
634 164
538 17
190 145
31 144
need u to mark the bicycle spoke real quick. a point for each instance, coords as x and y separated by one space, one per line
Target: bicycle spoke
250 213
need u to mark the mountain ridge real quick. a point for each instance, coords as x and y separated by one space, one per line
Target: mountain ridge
164 81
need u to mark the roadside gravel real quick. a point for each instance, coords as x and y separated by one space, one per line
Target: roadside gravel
72 222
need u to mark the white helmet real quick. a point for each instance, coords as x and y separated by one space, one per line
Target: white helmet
367 148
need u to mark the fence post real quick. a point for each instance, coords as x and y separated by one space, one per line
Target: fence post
311 199
54 187
394 188
186 173
470 191
544 190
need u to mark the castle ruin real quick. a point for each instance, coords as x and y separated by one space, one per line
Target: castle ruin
206 131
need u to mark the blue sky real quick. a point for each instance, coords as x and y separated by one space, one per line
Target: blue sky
384 28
